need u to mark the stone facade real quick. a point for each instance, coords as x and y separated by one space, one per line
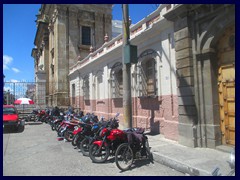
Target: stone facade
59 41
197 29
41 56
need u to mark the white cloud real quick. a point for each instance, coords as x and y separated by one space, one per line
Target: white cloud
5 67
16 70
7 60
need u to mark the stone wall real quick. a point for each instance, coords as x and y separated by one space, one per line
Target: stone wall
197 29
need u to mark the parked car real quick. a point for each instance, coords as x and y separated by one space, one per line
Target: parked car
11 116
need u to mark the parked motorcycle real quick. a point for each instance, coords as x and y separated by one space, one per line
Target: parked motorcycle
231 162
136 148
32 116
41 116
77 126
84 129
89 139
76 132
66 128
55 121
112 137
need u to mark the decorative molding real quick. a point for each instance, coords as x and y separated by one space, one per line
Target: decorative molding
84 47
86 16
73 14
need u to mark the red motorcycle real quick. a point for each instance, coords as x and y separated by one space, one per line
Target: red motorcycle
40 115
55 122
66 129
112 137
83 128
77 130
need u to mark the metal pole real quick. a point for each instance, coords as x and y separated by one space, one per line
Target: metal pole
127 98
14 95
8 94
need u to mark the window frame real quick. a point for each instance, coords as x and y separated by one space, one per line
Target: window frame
143 76
86 40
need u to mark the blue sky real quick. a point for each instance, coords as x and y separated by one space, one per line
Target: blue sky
19 29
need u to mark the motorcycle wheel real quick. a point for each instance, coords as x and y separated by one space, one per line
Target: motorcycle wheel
79 140
53 128
124 157
99 157
43 119
60 128
68 136
84 146
57 125
74 141
149 154
36 119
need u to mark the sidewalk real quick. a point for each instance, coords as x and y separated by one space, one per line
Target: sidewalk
192 161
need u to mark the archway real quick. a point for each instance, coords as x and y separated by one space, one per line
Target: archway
216 97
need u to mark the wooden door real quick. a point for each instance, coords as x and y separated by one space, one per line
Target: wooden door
226 85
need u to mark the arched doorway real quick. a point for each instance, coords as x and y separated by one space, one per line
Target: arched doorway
226 85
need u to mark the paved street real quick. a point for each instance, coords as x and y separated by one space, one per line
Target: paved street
36 152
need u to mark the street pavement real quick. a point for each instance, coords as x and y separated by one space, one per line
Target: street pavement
180 159
36 152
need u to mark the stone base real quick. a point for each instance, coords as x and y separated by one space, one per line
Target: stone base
195 136
187 134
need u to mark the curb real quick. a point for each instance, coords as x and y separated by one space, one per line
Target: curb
33 123
179 166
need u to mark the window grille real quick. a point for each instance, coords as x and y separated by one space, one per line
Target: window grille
117 80
147 82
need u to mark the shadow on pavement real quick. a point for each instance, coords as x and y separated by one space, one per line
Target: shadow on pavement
10 130
138 164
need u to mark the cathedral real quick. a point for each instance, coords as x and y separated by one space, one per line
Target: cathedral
65 35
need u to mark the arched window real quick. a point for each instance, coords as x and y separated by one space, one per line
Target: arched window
147 82
149 67
86 88
117 80
100 85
